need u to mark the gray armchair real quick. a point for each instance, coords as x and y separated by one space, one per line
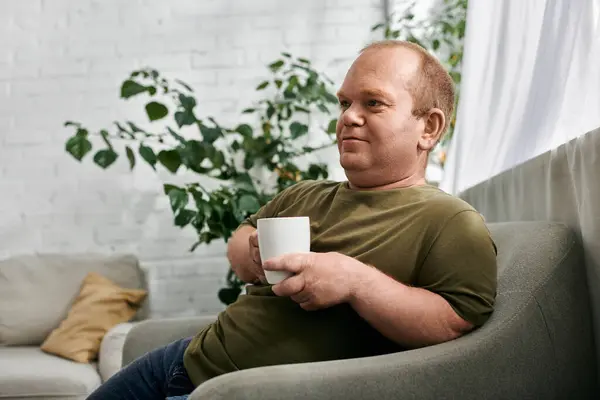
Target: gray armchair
537 345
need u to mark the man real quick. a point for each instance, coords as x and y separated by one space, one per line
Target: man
394 263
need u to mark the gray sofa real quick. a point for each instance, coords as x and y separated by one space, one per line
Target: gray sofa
537 345
36 292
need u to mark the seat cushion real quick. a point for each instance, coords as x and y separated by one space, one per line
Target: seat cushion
37 291
28 372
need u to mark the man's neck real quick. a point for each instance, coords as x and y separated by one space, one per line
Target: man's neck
410 181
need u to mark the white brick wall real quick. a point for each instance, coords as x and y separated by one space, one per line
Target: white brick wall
64 59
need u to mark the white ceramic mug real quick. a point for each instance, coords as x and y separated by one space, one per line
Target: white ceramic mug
279 236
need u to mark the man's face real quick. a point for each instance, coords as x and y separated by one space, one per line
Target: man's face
377 134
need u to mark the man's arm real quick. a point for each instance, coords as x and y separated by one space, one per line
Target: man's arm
456 286
410 316
240 257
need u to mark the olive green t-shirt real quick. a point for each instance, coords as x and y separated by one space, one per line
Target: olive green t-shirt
420 236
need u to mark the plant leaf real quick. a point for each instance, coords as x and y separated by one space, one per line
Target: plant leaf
134 128
262 85
105 138
178 198
248 110
378 26
148 155
130 157
184 118
156 111
184 217
195 246
266 127
170 159
105 158
218 159
192 155
248 161
229 295
297 129
185 85
275 66
73 123
243 181
245 130
131 88
332 125
176 135
248 203
330 98
168 187
187 102
270 110
78 146
460 28
455 76
210 134
123 131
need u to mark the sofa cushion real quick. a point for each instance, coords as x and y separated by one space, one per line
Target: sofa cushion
101 304
37 291
26 372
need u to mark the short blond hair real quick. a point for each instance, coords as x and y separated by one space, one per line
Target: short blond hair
432 87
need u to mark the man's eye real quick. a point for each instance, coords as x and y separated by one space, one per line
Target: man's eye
344 104
373 103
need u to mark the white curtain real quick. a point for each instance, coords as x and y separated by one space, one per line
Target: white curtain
531 81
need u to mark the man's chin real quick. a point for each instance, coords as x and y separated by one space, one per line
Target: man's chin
353 163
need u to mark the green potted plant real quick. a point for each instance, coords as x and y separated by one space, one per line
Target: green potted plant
239 157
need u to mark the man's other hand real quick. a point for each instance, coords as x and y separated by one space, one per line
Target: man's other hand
256 268
243 255
320 280
254 250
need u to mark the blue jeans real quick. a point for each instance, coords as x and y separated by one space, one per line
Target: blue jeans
158 375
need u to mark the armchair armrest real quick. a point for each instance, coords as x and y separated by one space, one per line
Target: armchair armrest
510 357
152 333
111 350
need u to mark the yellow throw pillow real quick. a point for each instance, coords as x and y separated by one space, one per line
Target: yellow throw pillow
100 305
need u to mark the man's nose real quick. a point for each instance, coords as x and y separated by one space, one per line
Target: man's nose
353 116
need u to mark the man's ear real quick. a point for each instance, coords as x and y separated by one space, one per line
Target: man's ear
434 125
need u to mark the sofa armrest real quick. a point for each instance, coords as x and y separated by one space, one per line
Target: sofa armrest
509 357
111 350
150 334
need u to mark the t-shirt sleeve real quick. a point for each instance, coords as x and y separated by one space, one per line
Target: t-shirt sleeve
271 209
461 267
